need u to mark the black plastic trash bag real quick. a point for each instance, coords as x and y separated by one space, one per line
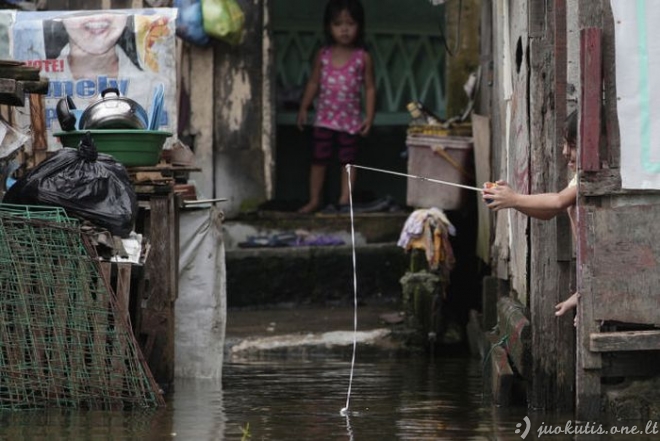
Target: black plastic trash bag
88 185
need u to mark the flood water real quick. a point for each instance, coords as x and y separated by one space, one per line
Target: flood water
392 399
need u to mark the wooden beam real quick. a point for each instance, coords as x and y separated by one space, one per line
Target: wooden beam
592 83
123 288
475 334
38 121
40 87
537 18
157 315
490 293
502 376
624 341
513 323
11 92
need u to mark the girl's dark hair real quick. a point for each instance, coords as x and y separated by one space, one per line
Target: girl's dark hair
354 8
571 128
56 37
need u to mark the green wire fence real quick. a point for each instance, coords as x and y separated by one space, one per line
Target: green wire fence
63 341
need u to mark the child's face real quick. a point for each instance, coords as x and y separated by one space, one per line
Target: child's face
344 29
570 153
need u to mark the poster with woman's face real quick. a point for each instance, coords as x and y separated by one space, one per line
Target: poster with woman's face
83 53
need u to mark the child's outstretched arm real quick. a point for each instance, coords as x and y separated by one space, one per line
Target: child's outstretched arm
311 89
369 95
541 206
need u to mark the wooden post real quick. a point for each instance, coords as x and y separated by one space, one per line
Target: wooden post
38 121
161 274
552 338
502 376
120 282
588 364
514 325
592 84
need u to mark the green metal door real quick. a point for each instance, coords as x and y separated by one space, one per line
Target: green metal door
403 38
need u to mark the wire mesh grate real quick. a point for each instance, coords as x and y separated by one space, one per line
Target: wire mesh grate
63 342
41 212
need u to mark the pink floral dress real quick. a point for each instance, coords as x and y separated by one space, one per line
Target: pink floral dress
339 102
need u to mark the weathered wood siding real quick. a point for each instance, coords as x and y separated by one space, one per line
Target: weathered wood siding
518 143
617 254
528 113
500 96
553 339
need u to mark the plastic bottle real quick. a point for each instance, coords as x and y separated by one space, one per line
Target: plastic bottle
421 115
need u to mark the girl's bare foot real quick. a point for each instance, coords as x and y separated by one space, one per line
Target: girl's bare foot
310 207
566 305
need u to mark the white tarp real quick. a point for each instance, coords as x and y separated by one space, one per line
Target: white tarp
201 307
637 48
84 52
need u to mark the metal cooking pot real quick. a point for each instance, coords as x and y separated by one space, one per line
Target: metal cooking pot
114 112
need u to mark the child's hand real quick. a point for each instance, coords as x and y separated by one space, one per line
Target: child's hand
302 119
365 128
487 192
497 195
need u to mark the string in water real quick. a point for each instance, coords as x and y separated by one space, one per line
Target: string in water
344 411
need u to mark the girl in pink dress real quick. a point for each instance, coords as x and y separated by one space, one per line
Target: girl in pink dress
341 69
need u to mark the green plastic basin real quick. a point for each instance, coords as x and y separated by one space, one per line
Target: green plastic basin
131 147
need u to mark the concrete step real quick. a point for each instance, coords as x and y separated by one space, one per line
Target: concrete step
270 275
369 227
313 275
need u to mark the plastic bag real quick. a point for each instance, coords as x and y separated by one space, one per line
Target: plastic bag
87 184
189 24
223 19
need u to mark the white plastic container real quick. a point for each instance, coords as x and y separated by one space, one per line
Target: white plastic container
446 158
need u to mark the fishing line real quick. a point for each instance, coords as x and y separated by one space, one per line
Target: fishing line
435 181
345 410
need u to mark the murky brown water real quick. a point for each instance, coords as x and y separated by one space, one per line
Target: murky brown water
392 399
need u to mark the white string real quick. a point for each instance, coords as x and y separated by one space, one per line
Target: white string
435 181
344 411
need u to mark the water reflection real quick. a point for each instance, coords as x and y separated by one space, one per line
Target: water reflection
408 399
392 399
84 425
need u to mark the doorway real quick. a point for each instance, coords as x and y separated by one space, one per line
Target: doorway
409 62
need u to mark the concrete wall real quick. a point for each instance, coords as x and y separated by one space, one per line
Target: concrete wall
231 101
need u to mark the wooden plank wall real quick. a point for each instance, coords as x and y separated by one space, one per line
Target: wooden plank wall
588 364
553 339
537 258
484 102
518 145
617 253
498 117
